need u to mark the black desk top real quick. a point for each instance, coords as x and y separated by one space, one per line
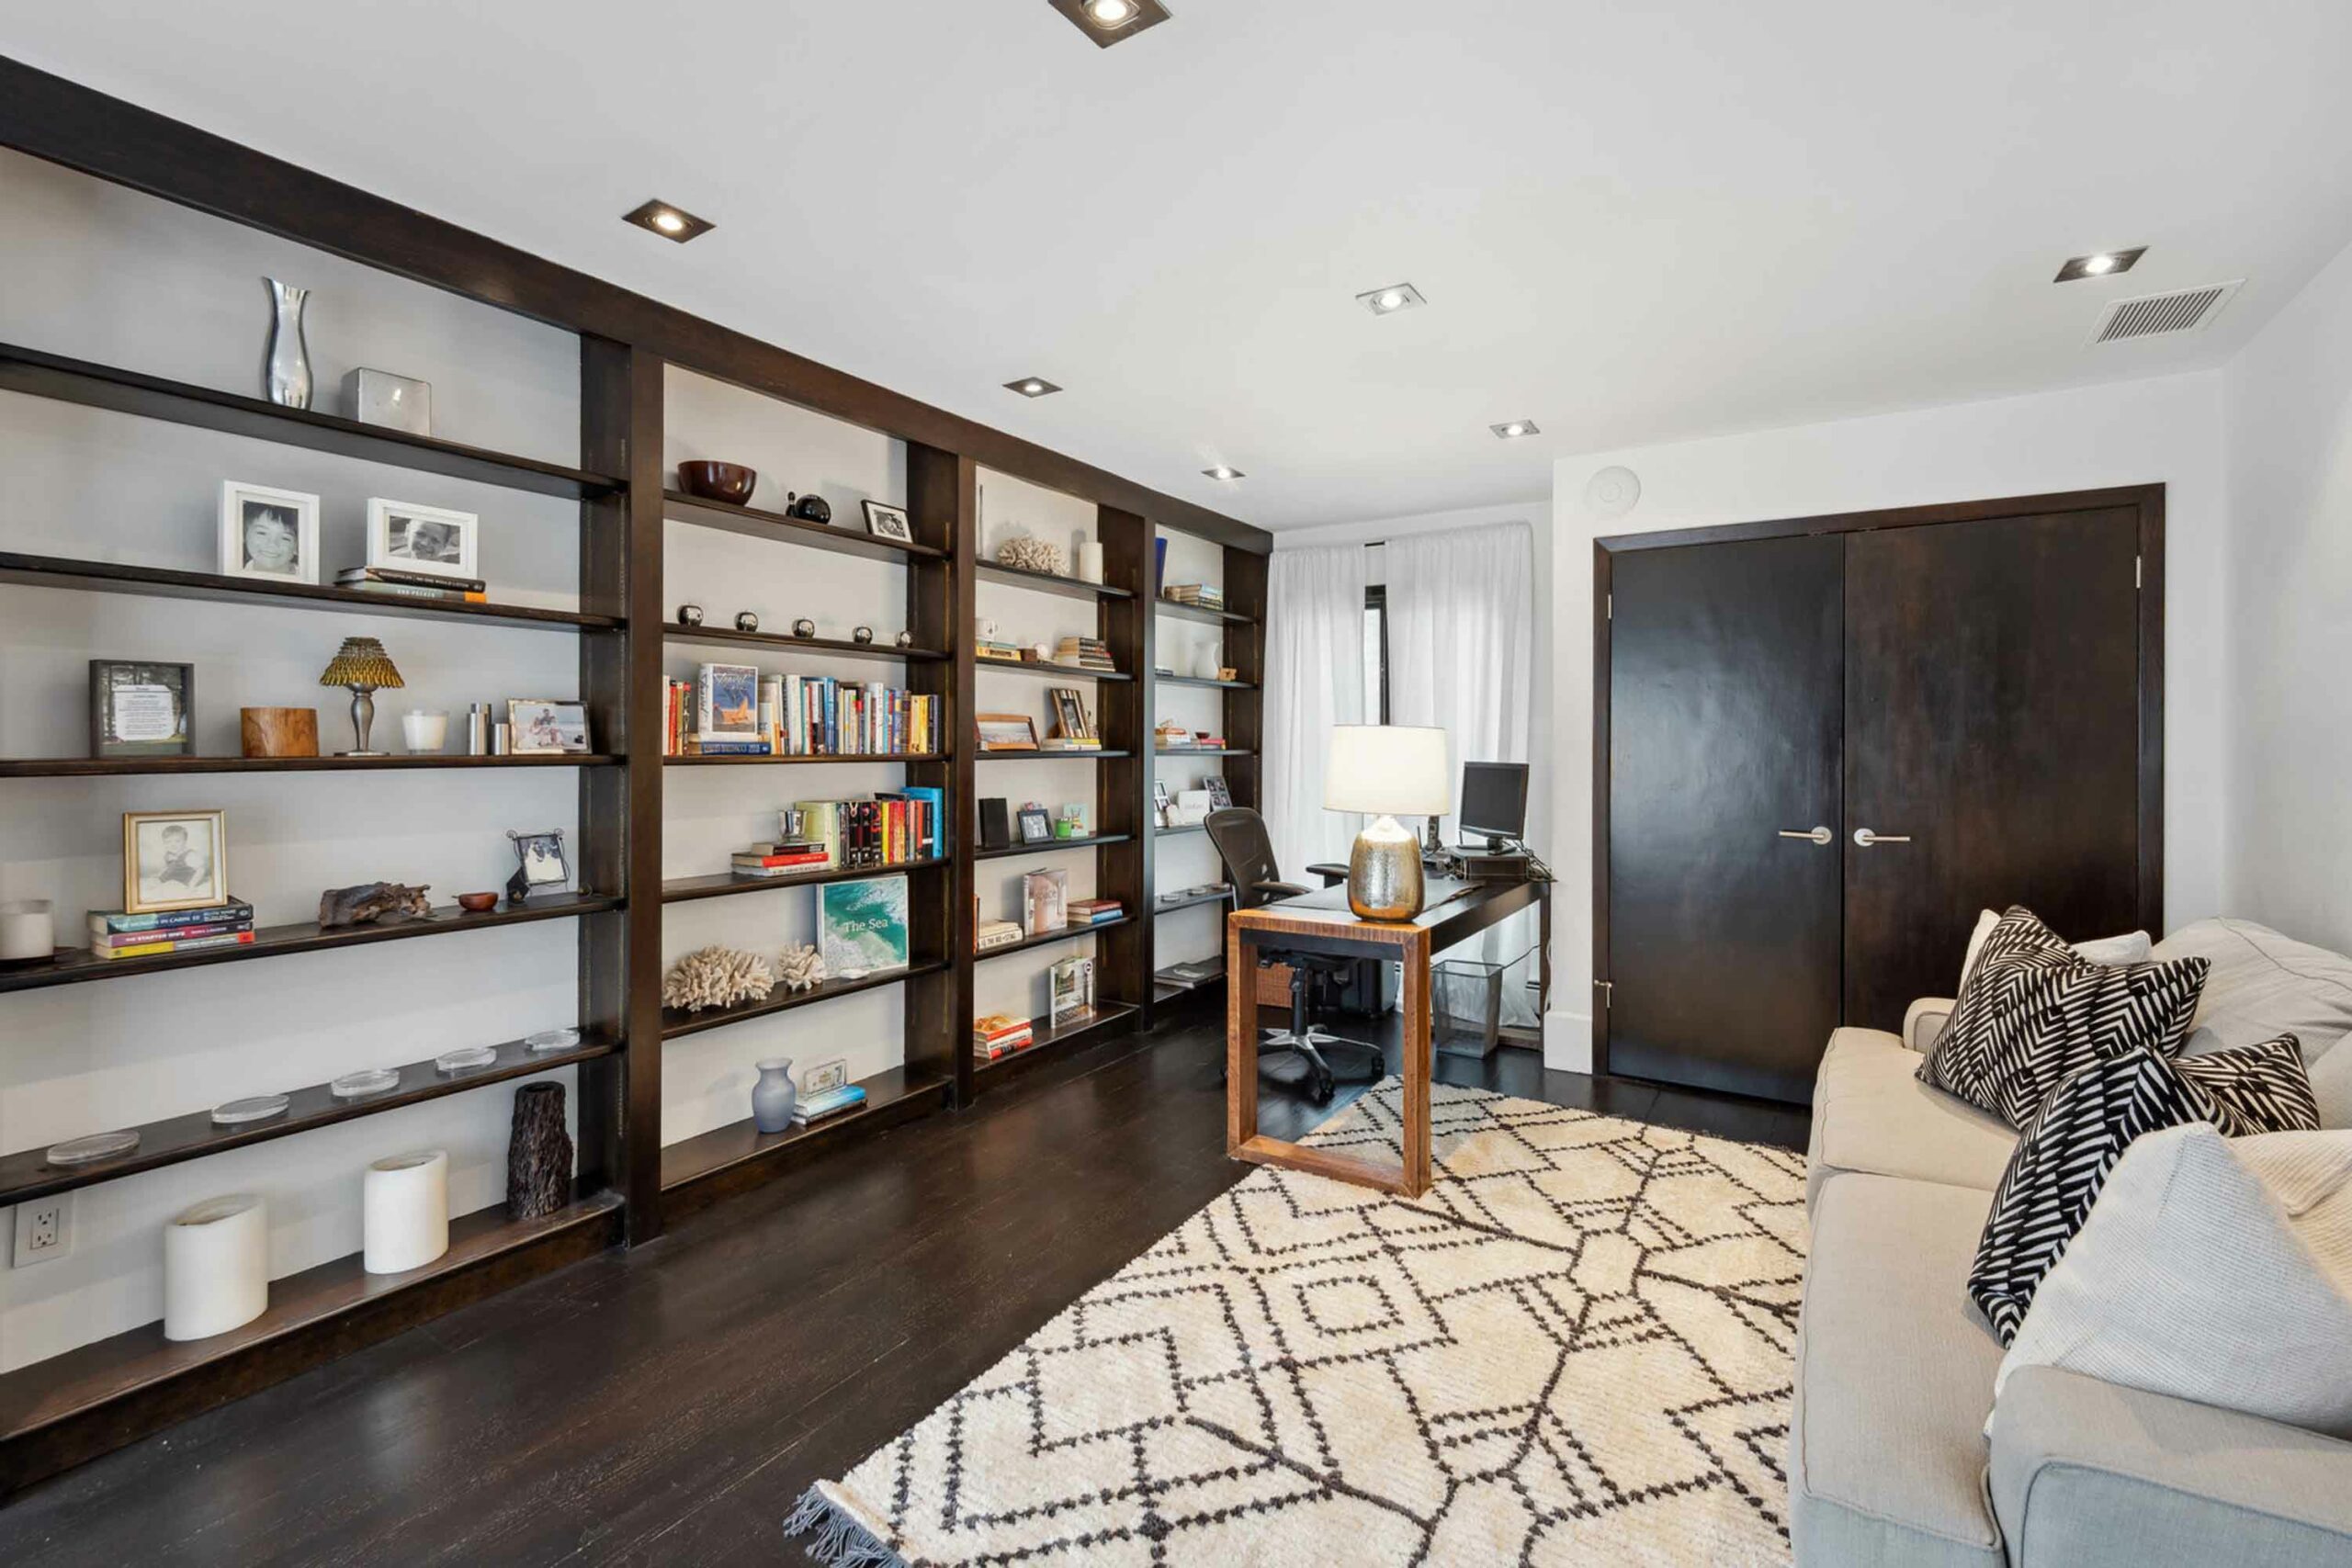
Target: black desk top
1451 911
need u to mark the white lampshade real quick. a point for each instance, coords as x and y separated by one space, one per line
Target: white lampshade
1388 769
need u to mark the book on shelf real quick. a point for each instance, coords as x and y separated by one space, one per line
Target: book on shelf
1195 971
798 716
1086 653
414 591
1002 652
394 576
1064 743
827 1103
1045 901
163 942
992 934
101 937
231 911
697 747
999 1034
1070 991
890 830
1194 594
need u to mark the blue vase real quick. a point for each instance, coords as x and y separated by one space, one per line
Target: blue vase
774 1095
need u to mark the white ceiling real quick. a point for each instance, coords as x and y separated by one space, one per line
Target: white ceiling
1633 222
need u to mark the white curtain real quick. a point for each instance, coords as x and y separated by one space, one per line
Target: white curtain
1462 658
1314 679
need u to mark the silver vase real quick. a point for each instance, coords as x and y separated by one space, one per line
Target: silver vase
287 376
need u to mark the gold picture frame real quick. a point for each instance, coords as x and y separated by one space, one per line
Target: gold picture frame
1007 733
155 865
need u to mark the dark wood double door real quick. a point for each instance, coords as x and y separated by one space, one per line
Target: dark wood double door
1823 745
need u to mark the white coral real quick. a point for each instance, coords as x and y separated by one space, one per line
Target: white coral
804 967
716 977
1027 554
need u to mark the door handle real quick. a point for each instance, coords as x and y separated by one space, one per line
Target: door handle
1818 835
1865 838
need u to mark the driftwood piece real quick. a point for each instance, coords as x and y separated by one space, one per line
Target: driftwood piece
371 901
538 1154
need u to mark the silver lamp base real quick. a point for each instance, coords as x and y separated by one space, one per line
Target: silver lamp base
363 719
1385 873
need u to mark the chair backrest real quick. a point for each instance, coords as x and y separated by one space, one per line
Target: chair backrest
1239 835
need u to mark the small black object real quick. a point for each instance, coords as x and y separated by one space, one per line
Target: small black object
804 628
538 1154
863 635
808 508
747 620
690 614
996 823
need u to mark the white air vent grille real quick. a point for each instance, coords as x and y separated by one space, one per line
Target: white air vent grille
2183 310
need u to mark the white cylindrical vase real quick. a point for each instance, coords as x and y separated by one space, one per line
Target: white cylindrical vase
426 732
27 930
216 1266
404 1212
1090 560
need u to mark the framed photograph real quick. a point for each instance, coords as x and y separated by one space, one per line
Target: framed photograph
541 726
889 522
862 926
430 539
1072 996
1160 804
726 702
1007 733
1220 798
141 708
825 1075
539 863
1037 827
173 860
1069 713
269 533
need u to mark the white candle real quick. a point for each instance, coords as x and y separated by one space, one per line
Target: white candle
216 1267
1089 561
27 930
404 1212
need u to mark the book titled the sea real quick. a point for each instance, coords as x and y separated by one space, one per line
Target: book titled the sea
863 925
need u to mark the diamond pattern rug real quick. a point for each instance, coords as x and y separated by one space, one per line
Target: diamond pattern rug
1575 1349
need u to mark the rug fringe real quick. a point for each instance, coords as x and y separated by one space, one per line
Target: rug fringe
843 1541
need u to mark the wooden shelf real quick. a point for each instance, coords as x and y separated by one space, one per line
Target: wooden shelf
151 397
29 1174
1205 681
1202 751
1068 933
1038 667
57 1391
890 1096
1048 582
680 507
831 647
799 758
676 1022
1193 901
1175 987
681 890
114 767
1052 846
1049 756
163 582
1171 832
1047 1037
1196 613
74 966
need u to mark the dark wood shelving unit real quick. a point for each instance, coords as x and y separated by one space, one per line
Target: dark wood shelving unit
709 1165
1193 901
1053 846
677 1023
1068 933
1200 613
1038 667
1202 751
166 582
831 647
1051 582
749 521
1104 755
131 767
720 884
1171 832
803 759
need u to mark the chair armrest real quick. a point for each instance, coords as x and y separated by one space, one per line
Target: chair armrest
1922 1025
2087 1473
1278 889
1332 875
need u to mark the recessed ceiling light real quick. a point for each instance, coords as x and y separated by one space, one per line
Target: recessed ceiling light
1512 430
1112 21
670 222
1222 472
1389 300
1031 387
2099 264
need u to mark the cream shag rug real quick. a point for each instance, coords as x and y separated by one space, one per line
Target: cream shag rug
1575 1349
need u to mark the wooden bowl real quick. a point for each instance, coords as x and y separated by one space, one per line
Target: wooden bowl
729 482
477 903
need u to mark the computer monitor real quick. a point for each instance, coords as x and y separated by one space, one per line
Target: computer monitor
1494 802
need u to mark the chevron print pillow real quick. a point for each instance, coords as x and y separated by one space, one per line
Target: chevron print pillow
2065 1155
2034 1012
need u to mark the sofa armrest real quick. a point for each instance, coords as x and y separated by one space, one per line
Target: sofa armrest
1922 1025
2086 1473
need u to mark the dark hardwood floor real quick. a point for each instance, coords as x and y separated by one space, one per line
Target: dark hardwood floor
668 1406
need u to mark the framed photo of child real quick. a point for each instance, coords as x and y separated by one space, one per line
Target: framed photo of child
269 533
173 860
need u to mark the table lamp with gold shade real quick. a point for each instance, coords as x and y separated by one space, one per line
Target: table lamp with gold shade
1386 770
361 664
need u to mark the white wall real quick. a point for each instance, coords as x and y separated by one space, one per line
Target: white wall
100 273
2167 430
2288 401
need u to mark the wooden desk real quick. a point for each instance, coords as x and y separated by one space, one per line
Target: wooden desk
1321 922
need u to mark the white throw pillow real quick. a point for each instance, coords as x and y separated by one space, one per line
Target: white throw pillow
2131 947
2214 1269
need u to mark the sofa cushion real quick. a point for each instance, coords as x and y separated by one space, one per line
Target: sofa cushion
1870 1113
2130 947
1893 1382
2262 986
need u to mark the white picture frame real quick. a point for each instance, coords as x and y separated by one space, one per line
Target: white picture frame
430 540
259 523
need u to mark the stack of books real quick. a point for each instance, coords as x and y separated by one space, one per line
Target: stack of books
829 1102
1094 911
783 857
401 584
1086 653
116 933
991 934
993 648
999 1034
893 829
1194 594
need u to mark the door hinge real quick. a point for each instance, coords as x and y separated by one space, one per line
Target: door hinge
1606 990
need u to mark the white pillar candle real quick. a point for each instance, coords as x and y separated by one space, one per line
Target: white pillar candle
1089 561
216 1267
27 930
425 733
404 1212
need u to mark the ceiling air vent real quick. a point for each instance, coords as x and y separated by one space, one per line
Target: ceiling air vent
2183 310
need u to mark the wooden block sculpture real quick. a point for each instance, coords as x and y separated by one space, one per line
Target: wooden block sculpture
371 901
538 1154
278 732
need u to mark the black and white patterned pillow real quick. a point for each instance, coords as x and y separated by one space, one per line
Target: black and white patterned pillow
2034 1012
2064 1156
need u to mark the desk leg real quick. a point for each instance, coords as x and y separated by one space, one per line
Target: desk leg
1416 957
1240 1039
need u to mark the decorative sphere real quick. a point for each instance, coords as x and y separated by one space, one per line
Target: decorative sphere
804 628
863 634
747 620
690 614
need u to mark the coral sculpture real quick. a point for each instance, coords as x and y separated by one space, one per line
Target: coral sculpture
715 978
803 968
1031 555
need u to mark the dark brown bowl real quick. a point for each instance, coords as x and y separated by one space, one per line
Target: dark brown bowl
729 482
477 903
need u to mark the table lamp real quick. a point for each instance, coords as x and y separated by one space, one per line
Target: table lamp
1384 770
363 665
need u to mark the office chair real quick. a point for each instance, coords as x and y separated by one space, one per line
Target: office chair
1239 835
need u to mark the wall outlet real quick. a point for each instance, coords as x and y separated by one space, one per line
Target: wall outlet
44 1229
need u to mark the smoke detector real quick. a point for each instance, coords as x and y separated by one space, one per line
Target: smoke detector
2155 315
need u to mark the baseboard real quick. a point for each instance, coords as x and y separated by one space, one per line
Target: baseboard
1568 1041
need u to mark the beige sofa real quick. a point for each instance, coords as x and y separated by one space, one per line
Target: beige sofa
1890 1459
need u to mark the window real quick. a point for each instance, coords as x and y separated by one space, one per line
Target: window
1376 653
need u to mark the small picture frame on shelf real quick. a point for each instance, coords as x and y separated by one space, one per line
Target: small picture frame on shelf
889 522
545 727
141 707
1037 826
1007 733
173 860
1160 804
1220 798
271 535
539 863
825 1075
429 539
